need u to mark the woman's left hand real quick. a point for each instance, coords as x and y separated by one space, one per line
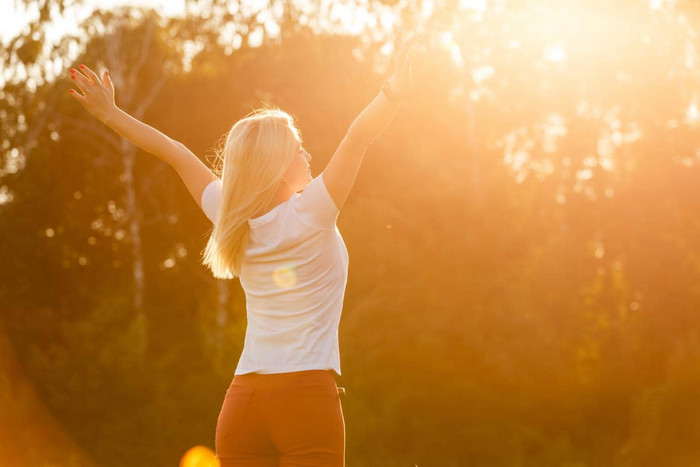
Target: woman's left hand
400 81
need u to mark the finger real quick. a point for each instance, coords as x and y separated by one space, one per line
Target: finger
90 74
77 96
80 81
82 75
107 80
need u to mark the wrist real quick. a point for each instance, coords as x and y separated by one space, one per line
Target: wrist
110 116
390 91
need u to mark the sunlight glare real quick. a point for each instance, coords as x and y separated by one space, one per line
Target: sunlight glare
661 4
447 38
387 19
560 196
691 54
478 5
584 174
427 9
255 37
693 113
448 41
482 73
553 128
555 53
517 159
5 195
516 148
352 19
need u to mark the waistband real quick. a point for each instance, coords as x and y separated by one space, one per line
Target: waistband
272 379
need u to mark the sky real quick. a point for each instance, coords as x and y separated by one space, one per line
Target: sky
14 17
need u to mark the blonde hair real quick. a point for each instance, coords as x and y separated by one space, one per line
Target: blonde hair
257 152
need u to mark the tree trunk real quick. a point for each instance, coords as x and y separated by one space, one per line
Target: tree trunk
125 80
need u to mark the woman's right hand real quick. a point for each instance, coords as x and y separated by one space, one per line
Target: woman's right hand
97 96
400 81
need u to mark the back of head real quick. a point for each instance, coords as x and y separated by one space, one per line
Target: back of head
258 150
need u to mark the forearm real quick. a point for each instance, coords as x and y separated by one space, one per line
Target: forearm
374 119
144 136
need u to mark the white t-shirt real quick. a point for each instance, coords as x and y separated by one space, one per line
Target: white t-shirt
293 273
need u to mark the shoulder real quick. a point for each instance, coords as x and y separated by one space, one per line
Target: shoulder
315 205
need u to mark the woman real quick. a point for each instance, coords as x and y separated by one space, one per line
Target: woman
282 408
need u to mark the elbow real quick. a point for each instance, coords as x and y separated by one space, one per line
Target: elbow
174 152
180 148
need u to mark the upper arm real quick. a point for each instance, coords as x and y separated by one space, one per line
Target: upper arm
193 172
339 175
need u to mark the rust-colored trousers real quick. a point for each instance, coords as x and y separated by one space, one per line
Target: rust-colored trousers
285 419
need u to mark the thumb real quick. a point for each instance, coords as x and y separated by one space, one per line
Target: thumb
107 80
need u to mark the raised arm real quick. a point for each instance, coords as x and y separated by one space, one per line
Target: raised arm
98 98
340 173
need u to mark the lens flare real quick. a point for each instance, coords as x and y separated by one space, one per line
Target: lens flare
285 276
199 456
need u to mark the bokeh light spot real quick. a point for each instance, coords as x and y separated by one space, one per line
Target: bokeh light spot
599 251
199 456
285 276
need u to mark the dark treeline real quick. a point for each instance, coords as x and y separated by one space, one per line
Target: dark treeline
523 238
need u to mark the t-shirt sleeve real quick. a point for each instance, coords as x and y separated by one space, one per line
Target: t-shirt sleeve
315 205
211 197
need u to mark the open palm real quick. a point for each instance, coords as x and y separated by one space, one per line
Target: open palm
97 96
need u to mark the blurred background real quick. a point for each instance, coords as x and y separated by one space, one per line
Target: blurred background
524 239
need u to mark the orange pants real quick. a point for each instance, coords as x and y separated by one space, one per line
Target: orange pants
284 419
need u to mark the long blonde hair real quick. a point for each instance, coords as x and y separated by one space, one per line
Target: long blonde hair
258 150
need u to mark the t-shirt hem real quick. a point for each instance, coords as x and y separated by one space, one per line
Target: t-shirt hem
286 369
